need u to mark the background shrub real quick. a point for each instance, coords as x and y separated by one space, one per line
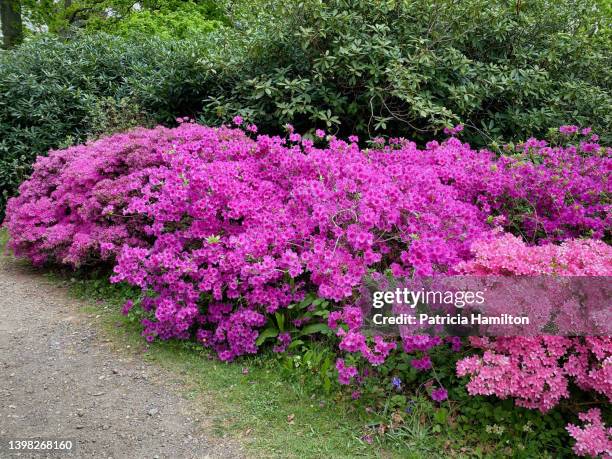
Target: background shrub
173 19
170 19
507 70
56 92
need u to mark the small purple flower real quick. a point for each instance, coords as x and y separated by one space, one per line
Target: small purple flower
252 128
320 133
396 382
356 395
284 339
586 131
455 341
353 138
454 130
439 395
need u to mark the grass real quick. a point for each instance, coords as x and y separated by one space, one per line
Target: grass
3 238
271 416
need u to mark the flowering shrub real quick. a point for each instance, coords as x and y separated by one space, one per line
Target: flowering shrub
540 192
537 371
594 438
352 340
71 209
224 232
251 227
509 255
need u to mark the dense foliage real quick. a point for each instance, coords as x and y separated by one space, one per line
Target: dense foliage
507 70
164 19
55 93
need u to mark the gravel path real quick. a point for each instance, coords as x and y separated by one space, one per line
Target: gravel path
60 379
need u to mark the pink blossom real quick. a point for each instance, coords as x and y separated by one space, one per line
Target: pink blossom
439 394
594 438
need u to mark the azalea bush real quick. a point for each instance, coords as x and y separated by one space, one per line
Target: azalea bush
71 211
543 192
252 226
239 240
538 372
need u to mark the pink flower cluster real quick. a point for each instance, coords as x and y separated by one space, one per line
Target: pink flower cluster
571 306
539 192
508 255
71 210
537 371
593 439
352 340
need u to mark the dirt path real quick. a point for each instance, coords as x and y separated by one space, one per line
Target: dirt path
60 379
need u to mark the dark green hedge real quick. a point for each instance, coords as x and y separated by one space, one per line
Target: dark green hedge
506 69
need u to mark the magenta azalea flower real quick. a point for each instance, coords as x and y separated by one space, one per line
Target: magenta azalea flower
439 394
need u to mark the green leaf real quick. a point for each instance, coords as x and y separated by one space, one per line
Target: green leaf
295 343
441 415
280 320
314 328
270 332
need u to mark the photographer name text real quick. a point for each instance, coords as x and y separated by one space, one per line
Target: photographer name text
449 319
